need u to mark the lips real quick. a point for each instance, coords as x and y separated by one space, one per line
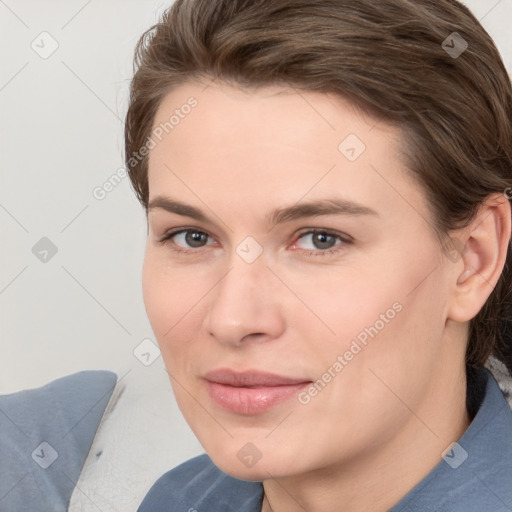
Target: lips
251 392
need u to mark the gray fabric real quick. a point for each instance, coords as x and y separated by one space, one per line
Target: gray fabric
45 436
480 483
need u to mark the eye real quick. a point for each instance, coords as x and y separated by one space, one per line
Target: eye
186 239
323 242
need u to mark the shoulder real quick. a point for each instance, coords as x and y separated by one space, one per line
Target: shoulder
47 432
198 484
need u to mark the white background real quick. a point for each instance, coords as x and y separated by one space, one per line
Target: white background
61 136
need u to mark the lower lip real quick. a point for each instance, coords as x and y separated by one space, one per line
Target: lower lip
252 400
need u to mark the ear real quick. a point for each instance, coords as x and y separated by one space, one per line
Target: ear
484 244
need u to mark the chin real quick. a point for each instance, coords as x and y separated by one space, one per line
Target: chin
253 461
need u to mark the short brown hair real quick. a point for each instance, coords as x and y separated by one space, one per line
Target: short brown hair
392 58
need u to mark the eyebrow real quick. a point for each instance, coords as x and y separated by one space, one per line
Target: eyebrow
329 206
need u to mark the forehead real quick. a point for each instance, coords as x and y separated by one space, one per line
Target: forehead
224 115
273 144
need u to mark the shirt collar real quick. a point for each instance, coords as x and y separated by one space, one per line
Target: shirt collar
476 473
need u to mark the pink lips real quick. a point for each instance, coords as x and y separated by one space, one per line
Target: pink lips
250 392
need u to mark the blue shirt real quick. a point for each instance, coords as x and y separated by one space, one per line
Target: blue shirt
474 476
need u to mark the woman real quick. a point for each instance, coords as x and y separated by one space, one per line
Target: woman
327 268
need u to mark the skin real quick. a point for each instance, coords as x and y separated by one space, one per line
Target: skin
380 425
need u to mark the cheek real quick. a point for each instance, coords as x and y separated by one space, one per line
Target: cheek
158 295
347 302
386 315
170 297
398 335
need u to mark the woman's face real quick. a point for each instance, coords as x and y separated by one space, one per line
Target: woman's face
305 252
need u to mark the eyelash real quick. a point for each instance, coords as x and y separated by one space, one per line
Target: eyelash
345 239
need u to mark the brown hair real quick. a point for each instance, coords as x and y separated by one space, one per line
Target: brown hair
396 59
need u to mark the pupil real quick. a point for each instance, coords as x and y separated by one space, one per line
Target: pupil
194 238
323 241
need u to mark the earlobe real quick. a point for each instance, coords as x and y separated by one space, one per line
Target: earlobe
486 243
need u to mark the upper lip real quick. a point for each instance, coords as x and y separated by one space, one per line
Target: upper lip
250 378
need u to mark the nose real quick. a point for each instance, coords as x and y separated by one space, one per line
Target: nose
245 306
